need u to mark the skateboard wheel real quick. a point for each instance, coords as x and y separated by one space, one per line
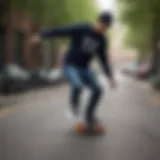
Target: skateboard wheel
81 128
99 129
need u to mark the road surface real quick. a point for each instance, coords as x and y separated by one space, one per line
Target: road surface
37 129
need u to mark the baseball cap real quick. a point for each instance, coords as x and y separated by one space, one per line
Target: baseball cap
106 18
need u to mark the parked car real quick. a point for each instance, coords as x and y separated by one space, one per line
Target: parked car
43 77
137 70
15 78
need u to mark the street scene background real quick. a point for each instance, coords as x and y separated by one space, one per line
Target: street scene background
34 92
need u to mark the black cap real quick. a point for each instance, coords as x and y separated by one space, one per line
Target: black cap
106 18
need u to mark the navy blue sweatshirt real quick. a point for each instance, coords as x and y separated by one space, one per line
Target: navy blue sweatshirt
85 44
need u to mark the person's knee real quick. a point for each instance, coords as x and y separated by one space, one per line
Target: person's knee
78 88
97 90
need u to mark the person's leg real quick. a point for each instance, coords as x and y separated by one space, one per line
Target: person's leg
73 76
96 92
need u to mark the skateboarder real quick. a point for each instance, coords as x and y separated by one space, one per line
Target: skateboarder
87 41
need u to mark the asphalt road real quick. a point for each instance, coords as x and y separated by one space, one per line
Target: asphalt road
37 129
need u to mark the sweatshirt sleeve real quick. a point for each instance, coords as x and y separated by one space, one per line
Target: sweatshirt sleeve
62 31
104 58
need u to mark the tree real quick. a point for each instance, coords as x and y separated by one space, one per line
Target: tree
54 13
141 20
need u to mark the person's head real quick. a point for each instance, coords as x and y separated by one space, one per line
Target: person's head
104 21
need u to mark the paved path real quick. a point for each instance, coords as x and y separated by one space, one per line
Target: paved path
38 129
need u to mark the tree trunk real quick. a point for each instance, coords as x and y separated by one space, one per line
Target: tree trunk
155 49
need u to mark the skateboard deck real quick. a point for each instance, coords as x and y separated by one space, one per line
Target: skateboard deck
82 129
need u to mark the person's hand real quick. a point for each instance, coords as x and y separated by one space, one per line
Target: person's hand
35 39
112 83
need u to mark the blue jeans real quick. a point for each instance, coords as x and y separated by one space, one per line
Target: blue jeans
78 79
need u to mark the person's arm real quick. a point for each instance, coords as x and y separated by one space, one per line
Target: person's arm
104 59
62 31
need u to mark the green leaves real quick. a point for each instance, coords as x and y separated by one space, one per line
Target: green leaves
56 12
138 16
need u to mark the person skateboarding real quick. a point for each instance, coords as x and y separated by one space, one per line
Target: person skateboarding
87 41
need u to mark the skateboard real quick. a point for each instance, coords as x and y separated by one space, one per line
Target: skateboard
82 129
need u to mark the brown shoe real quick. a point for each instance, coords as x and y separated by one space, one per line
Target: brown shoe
99 129
81 128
